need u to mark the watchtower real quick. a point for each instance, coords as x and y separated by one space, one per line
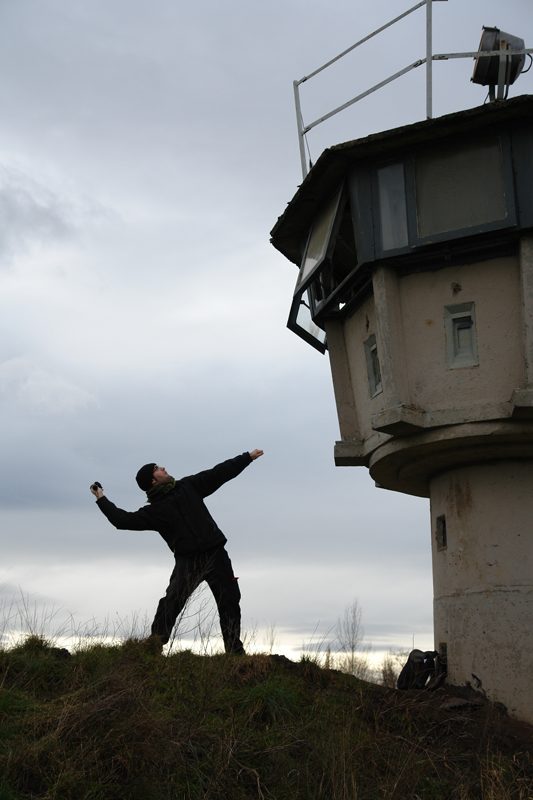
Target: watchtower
415 256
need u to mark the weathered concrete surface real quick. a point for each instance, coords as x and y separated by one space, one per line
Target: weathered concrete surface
483 579
419 389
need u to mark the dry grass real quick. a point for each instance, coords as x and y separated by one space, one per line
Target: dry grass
122 722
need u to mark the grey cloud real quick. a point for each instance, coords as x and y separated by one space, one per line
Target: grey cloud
30 214
30 388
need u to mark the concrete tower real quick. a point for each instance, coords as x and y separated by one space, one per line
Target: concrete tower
415 256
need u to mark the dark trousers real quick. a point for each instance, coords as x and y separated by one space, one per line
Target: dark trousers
215 568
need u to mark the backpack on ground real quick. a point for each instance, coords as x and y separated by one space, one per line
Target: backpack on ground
424 669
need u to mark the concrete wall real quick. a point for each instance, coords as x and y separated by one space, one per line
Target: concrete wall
355 406
421 390
483 579
494 287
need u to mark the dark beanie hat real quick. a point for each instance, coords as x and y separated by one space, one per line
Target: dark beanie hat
145 476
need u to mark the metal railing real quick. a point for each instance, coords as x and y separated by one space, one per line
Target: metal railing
504 52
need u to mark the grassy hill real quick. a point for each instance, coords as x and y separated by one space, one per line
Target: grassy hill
123 722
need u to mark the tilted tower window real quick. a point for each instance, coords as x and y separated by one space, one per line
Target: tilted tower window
328 261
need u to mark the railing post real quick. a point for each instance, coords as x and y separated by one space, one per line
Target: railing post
429 59
299 123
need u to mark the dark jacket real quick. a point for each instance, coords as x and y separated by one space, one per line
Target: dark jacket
181 516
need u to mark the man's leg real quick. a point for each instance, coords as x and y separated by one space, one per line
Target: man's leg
184 580
226 592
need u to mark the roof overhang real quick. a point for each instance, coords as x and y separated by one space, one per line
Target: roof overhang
290 231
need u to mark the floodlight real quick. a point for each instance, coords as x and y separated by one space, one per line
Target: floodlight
498 70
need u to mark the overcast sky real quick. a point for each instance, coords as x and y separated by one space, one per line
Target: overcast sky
146 150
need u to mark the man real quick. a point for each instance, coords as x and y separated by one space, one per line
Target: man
177 511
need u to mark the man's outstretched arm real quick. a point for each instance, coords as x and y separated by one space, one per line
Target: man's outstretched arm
122 520
210 480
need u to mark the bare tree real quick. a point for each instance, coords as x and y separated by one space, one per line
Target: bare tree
350 636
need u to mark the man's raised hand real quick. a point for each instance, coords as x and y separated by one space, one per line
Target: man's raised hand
255 454
96 489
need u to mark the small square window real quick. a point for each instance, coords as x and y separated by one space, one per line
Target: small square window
461 338
372 366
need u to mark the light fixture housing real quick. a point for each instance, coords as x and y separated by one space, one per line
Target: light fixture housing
487 68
